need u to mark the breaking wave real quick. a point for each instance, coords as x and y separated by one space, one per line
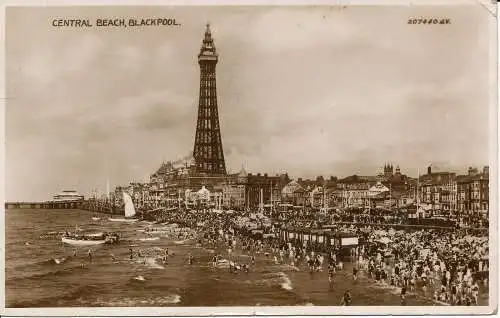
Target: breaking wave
275 279
134 301
79 292
50 274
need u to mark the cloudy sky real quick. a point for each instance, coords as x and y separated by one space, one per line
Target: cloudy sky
311 91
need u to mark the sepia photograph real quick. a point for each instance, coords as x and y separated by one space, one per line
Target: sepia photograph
328 159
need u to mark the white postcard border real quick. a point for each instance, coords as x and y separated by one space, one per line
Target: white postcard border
278 310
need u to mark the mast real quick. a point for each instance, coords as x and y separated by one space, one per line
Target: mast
247 204
107 189
179 198
418 185
324 198
272 197
390 194
261 203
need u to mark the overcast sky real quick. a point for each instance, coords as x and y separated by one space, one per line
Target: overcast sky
310 91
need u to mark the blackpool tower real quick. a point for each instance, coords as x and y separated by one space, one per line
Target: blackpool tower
208 153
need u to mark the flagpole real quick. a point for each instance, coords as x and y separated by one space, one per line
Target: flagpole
418 185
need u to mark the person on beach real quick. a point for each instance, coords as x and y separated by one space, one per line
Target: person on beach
340 266
165 256
90 255
403 296
454 292
354 273
331 271
475 293
346 299
246 268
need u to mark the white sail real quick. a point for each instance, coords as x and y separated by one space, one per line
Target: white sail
129 205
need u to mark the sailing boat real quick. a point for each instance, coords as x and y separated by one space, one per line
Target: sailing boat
129 210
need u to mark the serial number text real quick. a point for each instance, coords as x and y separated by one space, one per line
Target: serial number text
429 21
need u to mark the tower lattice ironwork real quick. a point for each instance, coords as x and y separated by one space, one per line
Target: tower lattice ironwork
208 153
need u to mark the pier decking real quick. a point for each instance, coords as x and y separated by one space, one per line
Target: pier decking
44 205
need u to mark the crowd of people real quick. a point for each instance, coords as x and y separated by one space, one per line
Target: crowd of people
448 265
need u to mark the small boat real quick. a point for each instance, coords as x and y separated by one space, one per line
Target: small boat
129 210
122 220
82 242
182 242
149 239
95 218
90 239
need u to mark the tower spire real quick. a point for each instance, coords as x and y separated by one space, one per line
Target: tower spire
207 45
208 33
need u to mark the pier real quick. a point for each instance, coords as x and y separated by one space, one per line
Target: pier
44 205
86 205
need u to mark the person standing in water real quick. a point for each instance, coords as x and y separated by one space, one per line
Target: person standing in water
131 253
90 255
214 261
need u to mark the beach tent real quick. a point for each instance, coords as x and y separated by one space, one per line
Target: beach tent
384 240
203 194
378 189
380 232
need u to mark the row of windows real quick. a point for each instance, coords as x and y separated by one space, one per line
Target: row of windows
211 166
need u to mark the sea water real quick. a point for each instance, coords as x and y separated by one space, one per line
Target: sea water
41 271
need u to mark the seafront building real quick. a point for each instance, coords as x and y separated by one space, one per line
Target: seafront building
68 196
